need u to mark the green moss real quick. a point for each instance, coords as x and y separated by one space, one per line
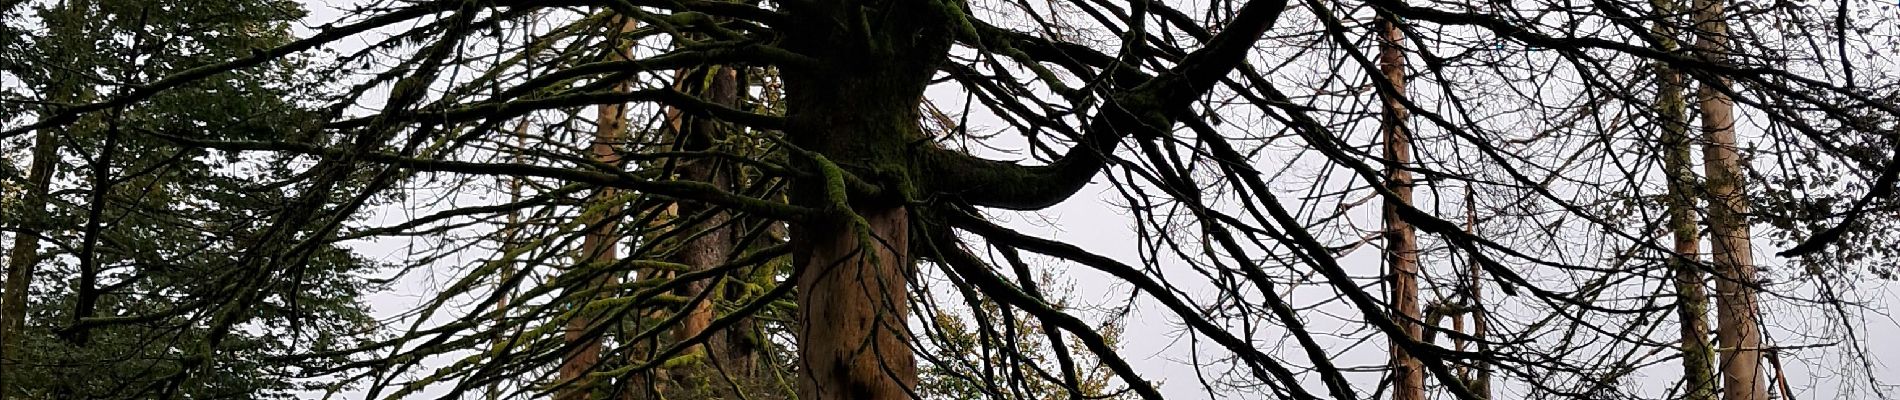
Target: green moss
693 357
959 18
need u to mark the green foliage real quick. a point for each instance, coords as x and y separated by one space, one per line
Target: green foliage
168 239
143 359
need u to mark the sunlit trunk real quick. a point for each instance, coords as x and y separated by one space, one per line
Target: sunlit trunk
1737 329
852 309
1692 304
1401 252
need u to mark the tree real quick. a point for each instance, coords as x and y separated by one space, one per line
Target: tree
1408 378
1237 143
601 245
1692 308
122 300
1737 327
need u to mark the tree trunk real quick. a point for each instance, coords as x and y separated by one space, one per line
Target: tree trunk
599 246
856 110
1401 240
23 257
714 245
1480 384
1737 330
852 309
1692 304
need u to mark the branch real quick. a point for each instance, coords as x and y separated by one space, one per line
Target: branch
686 190
142 92
1264 365
510 109
948 249
1146 110
738 54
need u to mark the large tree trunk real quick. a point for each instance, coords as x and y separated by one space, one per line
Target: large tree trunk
1692 304
852 309
857 108
1401 252
1737 330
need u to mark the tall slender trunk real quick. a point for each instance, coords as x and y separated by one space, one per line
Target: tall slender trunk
599 247
1401 240
511 239
650 384
1692 297
1479 385
1737 329
23 257
715 241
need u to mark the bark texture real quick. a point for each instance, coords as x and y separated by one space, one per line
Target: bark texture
711 245
860 115
1692 304
852 301
1401 241
1738 330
